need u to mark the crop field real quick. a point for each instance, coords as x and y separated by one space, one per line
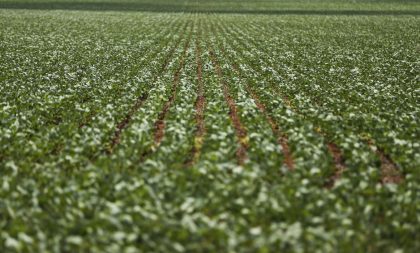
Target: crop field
209 126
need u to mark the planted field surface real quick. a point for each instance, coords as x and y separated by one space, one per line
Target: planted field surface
209 132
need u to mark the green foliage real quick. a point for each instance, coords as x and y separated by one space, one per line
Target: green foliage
68 79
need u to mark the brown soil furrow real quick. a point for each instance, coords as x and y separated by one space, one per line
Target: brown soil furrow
124 123
339 165
390 174
160 122
116 138
233 113
199 115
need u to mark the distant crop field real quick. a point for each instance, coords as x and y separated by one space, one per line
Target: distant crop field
209 126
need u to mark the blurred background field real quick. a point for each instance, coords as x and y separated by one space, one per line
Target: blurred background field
232 6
